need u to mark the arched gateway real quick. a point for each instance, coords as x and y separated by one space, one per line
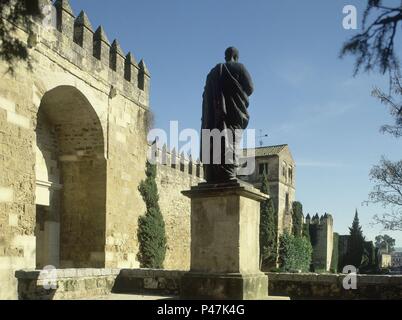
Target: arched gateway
70 182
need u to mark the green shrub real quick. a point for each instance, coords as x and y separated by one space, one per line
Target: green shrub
294 253
151 227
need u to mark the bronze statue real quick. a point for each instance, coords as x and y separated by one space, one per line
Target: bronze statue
225 104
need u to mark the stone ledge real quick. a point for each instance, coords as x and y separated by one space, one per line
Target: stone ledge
235 187
140 281
224 286
66 273
151 273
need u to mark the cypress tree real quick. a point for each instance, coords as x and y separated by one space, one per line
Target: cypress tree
268 230
297 218
151 227
356 243
306 232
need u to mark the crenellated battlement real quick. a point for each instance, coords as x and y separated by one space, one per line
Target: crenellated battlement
90 50
319 220
181 163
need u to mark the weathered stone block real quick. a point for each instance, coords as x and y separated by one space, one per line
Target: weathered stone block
224 286
225 222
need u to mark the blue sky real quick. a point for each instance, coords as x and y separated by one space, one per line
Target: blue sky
305 95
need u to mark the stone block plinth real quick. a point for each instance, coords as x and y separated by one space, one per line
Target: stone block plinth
225 221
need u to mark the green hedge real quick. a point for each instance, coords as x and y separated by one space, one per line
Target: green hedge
294 253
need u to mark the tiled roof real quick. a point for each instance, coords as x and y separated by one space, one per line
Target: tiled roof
269 151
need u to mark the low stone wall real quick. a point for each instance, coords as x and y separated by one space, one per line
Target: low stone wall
330 286
147 281
69 284
90 283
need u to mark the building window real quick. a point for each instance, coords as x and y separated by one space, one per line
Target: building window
263 168
284 170
290 174
287 204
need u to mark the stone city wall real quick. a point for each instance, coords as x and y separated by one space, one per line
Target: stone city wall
330 286
173 177
89 91
322 239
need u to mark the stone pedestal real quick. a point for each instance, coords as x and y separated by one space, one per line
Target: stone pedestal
225 221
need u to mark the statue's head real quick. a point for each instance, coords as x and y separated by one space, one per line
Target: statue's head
231 54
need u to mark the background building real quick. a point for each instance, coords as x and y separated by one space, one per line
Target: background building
278 163
396 259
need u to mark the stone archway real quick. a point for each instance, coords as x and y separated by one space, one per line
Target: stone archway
70 182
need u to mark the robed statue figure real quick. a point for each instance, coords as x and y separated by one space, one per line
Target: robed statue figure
225 104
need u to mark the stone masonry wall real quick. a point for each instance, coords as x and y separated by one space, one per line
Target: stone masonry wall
330 286
176 208
90 283
69 284
116 88
322 238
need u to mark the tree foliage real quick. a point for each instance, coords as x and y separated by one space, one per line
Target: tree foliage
388 192
297 218
373 48
355 254
375 45
151 227
295 253
306 232
16 13
385 242
395 107
268 230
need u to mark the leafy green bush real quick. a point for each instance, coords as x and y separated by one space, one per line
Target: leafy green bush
151 227
294 253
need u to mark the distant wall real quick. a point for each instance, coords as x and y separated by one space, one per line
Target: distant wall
322 240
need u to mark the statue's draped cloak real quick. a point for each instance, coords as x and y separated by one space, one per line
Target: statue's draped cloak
225 105
225 102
